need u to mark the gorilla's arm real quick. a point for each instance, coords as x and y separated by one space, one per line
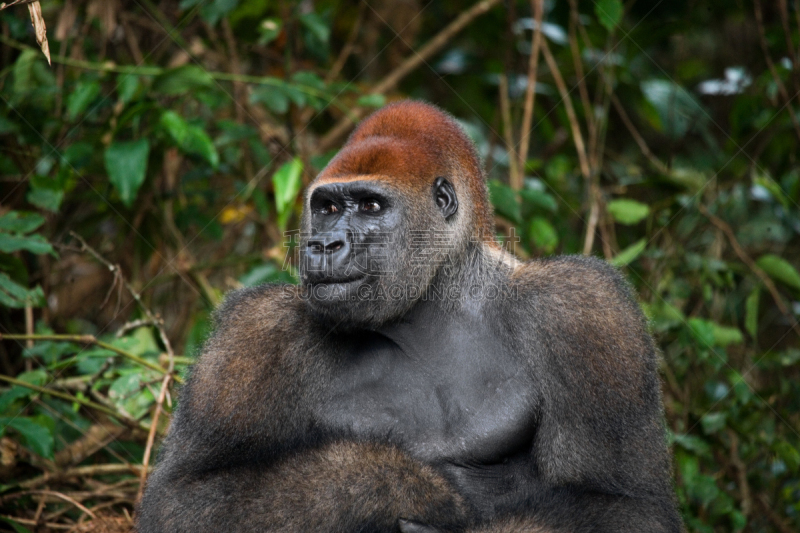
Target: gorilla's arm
599 453
234 459
339 487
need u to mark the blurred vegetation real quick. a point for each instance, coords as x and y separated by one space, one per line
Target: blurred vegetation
159 162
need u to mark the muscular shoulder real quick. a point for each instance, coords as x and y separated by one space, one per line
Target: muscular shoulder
573 279
251 356
268 306
584 312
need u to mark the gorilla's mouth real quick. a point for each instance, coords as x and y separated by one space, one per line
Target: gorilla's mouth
333 281
340 281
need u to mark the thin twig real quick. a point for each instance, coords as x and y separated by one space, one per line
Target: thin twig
661 167
416 59
50 493
151 437
741 474
577 135
150 71
515 179
70 398
81 471
747 260
530 90
771 66
773 517
574 22
29 522
136 296
89 339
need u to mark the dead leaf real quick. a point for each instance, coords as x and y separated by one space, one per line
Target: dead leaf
39 27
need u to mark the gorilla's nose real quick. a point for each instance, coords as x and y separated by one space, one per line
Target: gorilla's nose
328 253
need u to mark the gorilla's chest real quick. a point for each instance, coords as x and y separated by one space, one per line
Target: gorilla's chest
443 389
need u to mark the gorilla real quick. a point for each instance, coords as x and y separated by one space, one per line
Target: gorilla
420 378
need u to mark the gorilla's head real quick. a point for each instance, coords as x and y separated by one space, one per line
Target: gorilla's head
403 197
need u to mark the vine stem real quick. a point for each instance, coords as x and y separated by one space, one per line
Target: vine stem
89 339
70 398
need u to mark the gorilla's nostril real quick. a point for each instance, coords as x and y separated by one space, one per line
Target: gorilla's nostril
334 246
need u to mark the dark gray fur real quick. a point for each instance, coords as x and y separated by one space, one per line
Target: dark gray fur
536 411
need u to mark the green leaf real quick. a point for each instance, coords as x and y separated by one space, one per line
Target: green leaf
539 199
609 12
36 433
287 182
751 313
127 86
725 335
182 80
266 273
316 25
788 454
693 444
703 332
80 98
628 212
713 422
20 221
16 296
126 164
274 97
191 139
779 269
505 201
35 244
269 30
629 254
372 100
18 528
45 193
215 10
543 234
678 111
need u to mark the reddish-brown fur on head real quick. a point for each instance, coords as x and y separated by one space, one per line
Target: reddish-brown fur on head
408 145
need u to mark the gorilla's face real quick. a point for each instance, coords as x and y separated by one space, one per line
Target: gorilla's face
368 253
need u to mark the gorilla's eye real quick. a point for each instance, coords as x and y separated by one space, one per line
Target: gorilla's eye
370 205
329 209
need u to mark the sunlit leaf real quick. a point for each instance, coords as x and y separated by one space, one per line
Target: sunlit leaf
269 29
189 138
629 254
779 269
543 235
628 212
287 182
126 164
372 100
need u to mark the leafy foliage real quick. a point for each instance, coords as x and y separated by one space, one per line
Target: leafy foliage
176 138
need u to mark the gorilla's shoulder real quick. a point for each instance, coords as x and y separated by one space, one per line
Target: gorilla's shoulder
267 304
574 276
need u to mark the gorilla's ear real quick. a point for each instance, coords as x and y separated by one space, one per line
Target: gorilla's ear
445 197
